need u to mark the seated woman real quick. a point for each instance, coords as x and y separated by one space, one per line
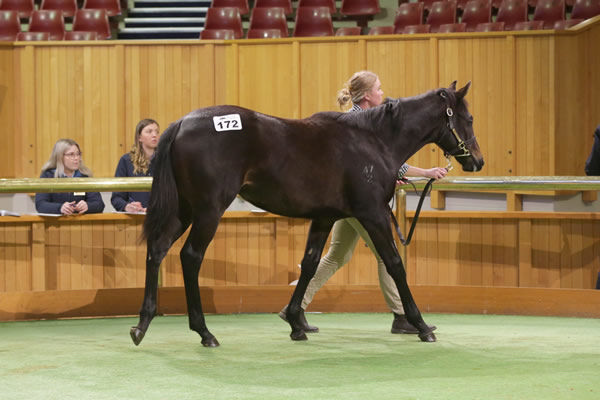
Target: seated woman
137 163
65 162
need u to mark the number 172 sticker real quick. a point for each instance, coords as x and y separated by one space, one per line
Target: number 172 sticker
230 122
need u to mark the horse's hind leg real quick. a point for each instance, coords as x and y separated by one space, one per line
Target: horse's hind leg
317 236
155 252
380 232
192 254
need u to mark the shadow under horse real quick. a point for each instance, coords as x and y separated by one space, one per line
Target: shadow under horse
329 166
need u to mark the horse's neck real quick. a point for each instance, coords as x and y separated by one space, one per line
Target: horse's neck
422 120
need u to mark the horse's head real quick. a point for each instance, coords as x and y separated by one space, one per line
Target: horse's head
457 138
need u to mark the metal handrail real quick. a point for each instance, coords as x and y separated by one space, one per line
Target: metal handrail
58 185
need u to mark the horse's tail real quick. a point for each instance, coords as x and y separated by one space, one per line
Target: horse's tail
164 199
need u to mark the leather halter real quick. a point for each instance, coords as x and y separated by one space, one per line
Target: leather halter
461 146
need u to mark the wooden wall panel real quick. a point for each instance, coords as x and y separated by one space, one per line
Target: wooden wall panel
7 120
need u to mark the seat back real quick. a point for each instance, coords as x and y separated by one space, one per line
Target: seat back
511 12
92 20
269 18
68 7
408 14
411 29
584 9
330 4
32 36
490 27
285 4
50 21
449 28
381 30
112 7
263 34
80 35
442 12
24 7
348 31
313 21
360 7
241 5
217 34
549 11
224 18
476 12
9 25
529 25
567 23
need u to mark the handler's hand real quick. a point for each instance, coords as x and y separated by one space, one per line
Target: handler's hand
67 208
436 173
134 207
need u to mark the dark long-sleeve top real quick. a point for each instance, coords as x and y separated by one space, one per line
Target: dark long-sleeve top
50 203
120 199
592 164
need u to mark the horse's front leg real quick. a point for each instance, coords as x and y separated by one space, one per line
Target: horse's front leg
379 230
317 236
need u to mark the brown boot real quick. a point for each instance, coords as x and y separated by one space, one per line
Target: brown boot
401 325
302 319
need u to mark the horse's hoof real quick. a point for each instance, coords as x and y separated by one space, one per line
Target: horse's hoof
136 335
210 342
427 337
298 335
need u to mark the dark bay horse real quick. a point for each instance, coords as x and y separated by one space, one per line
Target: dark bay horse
329 166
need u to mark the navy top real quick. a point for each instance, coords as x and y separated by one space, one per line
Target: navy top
50 203
120 199
592 164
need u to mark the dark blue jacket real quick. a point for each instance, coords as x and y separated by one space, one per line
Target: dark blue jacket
120 199
50 203
592 165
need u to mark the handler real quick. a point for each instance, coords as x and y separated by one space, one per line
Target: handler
363 90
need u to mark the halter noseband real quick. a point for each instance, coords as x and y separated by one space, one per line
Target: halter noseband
461 147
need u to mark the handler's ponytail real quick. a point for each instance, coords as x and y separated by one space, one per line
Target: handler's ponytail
356 87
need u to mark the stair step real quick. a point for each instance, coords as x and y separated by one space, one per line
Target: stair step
172 3
180 12
160 33
163 22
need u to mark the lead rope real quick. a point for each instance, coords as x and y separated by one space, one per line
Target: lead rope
426 190
406 241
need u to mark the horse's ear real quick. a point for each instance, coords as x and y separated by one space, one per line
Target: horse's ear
452 86
461 93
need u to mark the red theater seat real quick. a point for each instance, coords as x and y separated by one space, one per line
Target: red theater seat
24 7
567 23
511 12
241 5
490 27
32 36
411 29
112 7
285 4
549 11
10 26
476 12
217 34
80 35
50 21
584 9
264 34
313 21
408 14
360 7
529 26
92 20
348 31
68 7
330 4
269 18
449 28
381 30
442 12
224 18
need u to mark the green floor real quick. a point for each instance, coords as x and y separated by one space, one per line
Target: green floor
353 357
